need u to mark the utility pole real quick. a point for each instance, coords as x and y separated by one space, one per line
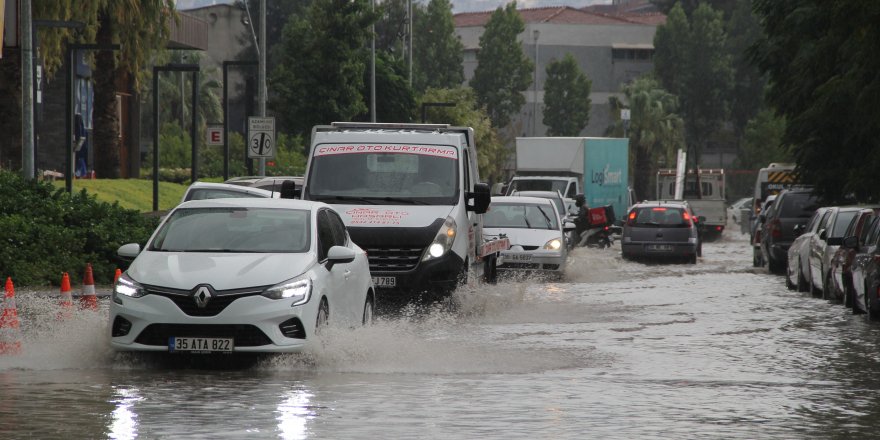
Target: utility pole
262 80
409 11
27 91
372 67
536 34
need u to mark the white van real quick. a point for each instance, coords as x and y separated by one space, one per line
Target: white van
411 196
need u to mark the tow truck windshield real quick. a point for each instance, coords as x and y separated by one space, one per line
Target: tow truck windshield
389 174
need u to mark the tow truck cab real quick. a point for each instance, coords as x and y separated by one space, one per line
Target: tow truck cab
411 196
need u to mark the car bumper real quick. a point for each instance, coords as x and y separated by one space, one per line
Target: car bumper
532 261
253 322
437 275
636 249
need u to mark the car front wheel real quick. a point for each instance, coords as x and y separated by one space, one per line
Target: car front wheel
323 316
369 308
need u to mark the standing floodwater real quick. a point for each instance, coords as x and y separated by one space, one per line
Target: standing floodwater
619 350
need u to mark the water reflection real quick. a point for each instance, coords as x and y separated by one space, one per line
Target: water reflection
293 414
124 421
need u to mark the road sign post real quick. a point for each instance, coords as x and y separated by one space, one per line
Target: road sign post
261 137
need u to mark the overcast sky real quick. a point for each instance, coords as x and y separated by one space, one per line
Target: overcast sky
457 5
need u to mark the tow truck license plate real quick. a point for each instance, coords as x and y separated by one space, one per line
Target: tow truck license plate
202 345
385 281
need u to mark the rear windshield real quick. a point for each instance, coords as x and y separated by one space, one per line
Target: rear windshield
659 217
797 205
538 185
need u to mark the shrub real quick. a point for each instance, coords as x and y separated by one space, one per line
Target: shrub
45 232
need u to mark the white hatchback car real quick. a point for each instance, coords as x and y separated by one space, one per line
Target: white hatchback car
536 234
240 275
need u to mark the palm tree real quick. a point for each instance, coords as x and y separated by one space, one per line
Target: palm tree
655 130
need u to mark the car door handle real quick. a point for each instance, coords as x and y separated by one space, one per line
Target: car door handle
346 274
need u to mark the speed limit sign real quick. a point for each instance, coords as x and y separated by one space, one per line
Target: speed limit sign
261 137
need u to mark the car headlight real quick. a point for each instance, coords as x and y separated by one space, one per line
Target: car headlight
299 289
553 245
442 242
125 286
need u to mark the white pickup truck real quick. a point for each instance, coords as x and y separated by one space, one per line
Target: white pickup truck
707 199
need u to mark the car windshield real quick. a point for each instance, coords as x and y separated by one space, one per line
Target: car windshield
659 217
538 185
797 205
234 229
384 174
525 216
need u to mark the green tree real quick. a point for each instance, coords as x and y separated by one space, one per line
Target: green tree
491 153
747 93
566 98
395 99
438 54
503 71
762 141
321 63
391 27
655 130
822 65
691 62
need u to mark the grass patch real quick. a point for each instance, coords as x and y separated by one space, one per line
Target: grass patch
130 193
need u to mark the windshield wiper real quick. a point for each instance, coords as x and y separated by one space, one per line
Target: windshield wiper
549 223
344 198
401 200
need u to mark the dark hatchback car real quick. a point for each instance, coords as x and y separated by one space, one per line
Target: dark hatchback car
792 207
841 262
865 270
661 230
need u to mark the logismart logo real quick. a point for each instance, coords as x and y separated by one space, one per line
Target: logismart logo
606 177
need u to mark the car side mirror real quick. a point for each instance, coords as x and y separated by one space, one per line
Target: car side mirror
851 242
798 229
481 197
834 241
128 251
339 254
823 234
289 190
568 226
762 217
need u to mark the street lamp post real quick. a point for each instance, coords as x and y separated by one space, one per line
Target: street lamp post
226 65
536 33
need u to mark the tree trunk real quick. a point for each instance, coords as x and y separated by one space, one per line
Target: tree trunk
105 137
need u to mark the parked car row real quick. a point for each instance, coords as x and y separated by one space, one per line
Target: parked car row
830 251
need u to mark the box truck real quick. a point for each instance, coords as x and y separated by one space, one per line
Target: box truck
598 168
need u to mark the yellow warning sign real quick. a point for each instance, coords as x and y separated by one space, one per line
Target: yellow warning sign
781 177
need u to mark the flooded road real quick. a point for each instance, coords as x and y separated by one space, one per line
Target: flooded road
619 350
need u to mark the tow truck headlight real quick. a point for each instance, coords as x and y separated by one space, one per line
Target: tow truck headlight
125 286
553 245
443 241
299 289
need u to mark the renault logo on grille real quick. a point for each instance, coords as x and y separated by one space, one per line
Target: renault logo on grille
202 296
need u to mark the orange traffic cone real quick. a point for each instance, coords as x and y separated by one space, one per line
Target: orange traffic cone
88 299
117 275
10 336
66 302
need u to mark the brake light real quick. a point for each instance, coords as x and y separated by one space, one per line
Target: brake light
606 228
658 209
775 228
685 215
719 228
632 218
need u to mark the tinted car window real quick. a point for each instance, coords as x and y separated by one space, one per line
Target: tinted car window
799 205
659 216
874 232
843 221
212 193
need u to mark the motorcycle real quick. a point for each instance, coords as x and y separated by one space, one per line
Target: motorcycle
599 237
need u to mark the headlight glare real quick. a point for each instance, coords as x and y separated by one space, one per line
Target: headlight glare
553 245
442 241
299 289
125 286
